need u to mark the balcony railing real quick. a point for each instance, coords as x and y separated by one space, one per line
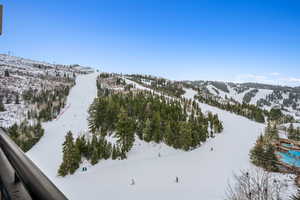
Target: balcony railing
25 172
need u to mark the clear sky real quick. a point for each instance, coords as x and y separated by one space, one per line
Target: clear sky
257 40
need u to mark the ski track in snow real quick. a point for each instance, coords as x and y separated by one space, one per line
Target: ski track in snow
203 174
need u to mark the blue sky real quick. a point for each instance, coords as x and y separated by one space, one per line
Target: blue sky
204 39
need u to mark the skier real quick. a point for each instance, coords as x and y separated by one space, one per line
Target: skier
132 182
158 154
177 179
211 149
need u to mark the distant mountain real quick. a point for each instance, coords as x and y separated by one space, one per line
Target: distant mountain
14 62
263 95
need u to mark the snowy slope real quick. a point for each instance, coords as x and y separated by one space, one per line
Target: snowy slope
203 174
261 94
231 94
265 96
47 153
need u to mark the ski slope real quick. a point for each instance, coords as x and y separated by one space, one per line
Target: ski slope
203 174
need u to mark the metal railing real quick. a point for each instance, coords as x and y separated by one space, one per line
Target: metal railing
38 186
4 195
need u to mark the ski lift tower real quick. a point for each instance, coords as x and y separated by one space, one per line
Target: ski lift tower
1 18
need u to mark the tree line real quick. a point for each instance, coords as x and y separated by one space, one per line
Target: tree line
170 88
293 133
179 123
48 102
93 150
26 135
263 152
247 110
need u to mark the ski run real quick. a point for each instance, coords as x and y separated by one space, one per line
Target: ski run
152 171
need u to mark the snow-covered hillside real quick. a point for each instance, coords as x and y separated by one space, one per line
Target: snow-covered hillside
20 63
19 75
265 96
203 173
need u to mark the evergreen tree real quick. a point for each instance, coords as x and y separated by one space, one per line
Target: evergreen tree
13 131
147 131
263 155
156 127
259 117
82 146
94 156
186 132
114 153
271 158
169 137
71 156
275 114
125 131
257 153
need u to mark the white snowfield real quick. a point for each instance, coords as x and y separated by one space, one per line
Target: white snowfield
203 174
261 94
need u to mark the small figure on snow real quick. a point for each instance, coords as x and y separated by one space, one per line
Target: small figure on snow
177 179
159 155
84 169
132 182
211 149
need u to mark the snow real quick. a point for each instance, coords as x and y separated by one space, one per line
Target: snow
203 174
138 86
296 125
231 94
235 95
261 94
47 153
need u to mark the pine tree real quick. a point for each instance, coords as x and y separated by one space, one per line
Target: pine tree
156 127
257 153
81 145
94 156
217 125
169 138
114 153
147 131
125 131
270 158
186 136
13 131
63 169
71 156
